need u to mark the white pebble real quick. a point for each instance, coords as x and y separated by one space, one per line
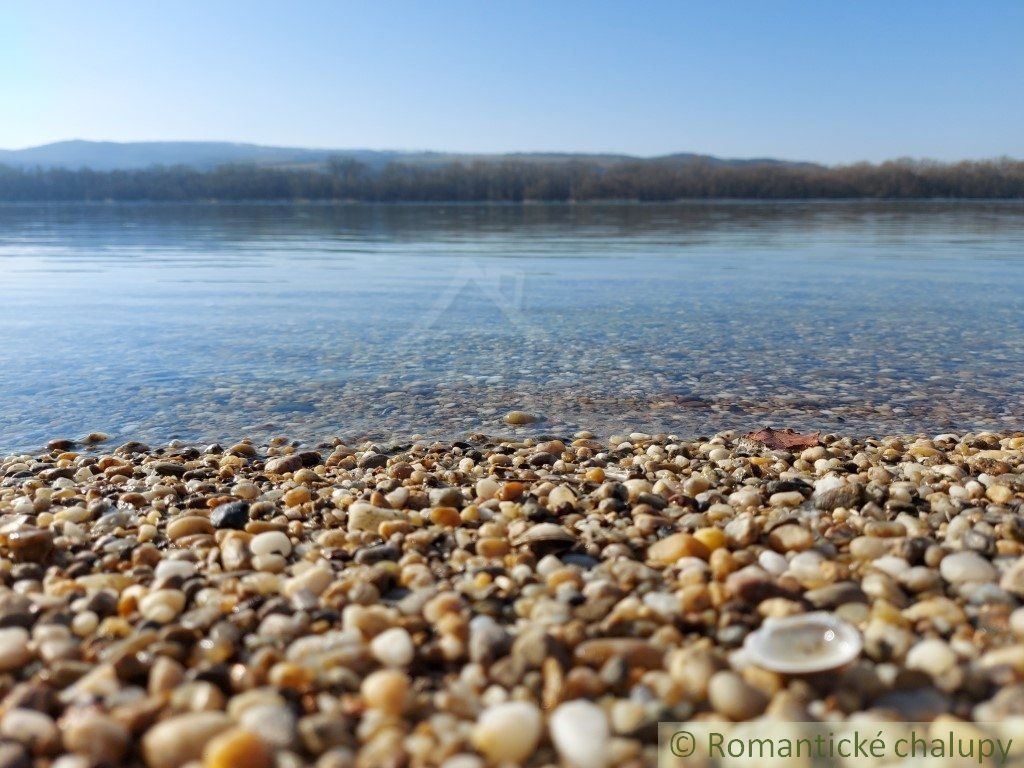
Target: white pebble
463 760
932 656
579 730
393 648
773 562
170 568
272 563
84 623
487 488
965 567
508 732
315 580
271 543
806 567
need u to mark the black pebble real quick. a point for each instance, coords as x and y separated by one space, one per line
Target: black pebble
234 514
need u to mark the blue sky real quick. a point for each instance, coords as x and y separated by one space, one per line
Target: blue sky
819 80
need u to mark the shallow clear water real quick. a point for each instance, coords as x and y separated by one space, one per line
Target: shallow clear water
212 322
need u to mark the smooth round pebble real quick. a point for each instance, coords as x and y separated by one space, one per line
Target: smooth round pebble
387 690
270 543
393 648
734 698
508 732
14 650
179 740
580 733
965 567
237 748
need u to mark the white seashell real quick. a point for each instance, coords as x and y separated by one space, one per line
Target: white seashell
803 644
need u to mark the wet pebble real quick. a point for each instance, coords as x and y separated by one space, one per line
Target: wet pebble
519 418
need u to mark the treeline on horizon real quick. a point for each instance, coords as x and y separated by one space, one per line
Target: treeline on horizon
521 180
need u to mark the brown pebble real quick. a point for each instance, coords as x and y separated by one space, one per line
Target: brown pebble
387 690
791 538
730 695
637 653
237 748
188 525
670 549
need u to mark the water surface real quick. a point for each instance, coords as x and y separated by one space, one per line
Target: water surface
212 322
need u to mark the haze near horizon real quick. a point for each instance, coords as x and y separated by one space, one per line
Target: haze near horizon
794 80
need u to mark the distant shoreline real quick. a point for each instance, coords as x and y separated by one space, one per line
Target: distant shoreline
1011 201
518 181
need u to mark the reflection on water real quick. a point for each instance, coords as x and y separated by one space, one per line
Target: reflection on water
212 321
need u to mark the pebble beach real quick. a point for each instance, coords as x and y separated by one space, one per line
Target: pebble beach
534 599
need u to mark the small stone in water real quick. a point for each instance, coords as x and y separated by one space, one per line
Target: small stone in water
519 418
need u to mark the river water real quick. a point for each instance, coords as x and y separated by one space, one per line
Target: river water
214 322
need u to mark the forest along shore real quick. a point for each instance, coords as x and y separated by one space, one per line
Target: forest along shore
675 177
495 599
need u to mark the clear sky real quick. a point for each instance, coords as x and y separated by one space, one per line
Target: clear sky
818 80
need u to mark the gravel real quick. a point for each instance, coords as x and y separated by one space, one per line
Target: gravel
464 604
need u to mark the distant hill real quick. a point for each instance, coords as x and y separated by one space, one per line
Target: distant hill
203 171
111 155
204 155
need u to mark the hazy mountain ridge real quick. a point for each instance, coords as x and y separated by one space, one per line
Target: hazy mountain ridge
111 156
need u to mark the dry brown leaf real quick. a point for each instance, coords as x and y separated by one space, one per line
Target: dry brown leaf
784 439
